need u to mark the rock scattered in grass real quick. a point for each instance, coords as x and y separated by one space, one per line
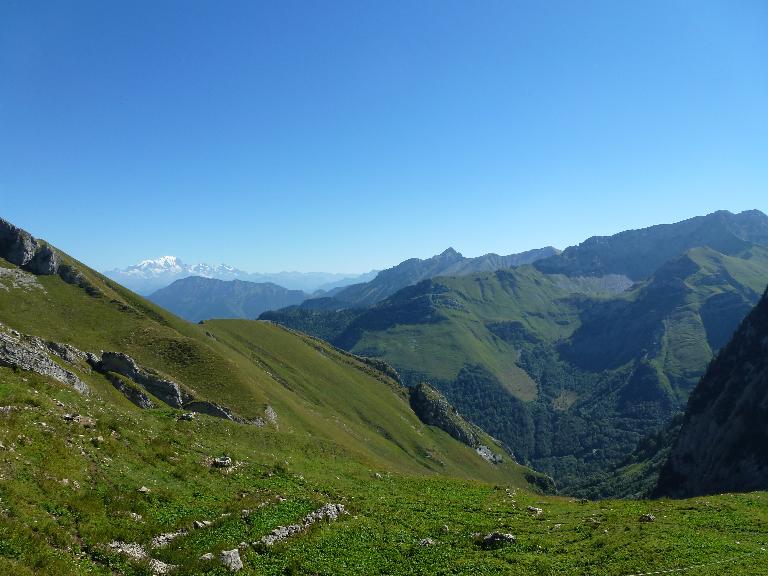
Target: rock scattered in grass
497 540
162 540
231 560
271 416
222 462
206 556
427 542
535 511
198 524
134 551
329 512
144 490
647 518
159 568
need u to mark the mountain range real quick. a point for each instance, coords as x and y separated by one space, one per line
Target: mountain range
196 298
409 272
133 442
722 445
201 297
573 360
151 275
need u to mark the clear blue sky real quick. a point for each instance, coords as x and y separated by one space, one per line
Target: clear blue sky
345 136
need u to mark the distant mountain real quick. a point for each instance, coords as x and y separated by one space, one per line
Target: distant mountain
196 298
638 253
571 370
409 272
723 442
151 275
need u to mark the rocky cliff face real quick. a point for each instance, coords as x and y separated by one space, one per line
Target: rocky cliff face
723 443
433 409
24 352
21 248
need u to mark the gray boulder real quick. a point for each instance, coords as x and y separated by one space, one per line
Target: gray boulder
496 540
231 560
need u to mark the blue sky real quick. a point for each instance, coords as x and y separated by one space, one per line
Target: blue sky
345 136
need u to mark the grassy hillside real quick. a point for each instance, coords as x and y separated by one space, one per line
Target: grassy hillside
246 366
68 490
567 372
78 473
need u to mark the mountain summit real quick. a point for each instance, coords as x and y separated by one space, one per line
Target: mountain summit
153 274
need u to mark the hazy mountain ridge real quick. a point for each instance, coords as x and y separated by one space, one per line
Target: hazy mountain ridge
409 272
197 298
571 373
638 253
154 274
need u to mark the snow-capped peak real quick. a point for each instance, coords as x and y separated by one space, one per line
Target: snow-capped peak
163 263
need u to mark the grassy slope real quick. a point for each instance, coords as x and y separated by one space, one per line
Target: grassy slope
66 490
668 326
53 526
247 366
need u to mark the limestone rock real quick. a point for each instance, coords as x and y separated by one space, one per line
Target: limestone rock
271 416
29 353
427 542
20 247
496 540
488 455
222 462
329 512
231 560
166 390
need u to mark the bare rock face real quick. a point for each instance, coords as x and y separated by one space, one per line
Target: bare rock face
433 409
166 390
210 409
16 245
29 353
20 247
45 261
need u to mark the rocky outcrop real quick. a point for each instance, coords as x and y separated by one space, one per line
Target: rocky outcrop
327 512
488 455
18 279
722 443
166 390
210 409
129 378
19 247
24 352
130 391
138 553
72 275
433 409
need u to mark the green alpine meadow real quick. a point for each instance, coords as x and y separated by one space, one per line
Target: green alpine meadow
383 288
134 442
